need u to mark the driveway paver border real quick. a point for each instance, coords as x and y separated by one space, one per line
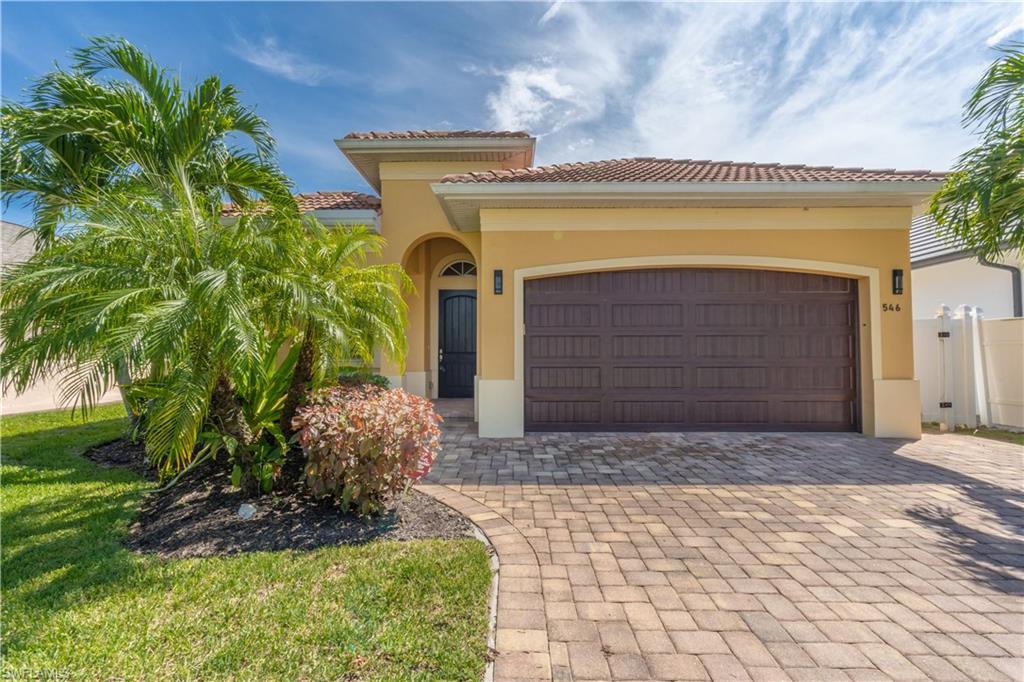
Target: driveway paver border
519 636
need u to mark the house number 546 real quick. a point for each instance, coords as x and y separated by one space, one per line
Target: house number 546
891 307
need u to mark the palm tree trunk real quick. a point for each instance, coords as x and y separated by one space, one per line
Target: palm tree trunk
301 379
124 380
226 412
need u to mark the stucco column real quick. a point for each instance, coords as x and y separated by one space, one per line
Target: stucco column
499 403
416 367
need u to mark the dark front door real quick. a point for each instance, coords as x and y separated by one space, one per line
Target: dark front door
457 351
708 349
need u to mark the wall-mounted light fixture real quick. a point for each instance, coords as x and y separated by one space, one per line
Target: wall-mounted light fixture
499 283
897 281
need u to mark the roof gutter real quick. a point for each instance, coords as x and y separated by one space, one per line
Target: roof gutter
480 190
433 144
1015 282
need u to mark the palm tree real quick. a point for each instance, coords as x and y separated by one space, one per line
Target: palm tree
192 304
345 310
140 282
116 120
172 294
981 203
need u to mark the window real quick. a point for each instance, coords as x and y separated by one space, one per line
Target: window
459 268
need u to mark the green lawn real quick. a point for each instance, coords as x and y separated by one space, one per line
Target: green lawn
75 602
1004 435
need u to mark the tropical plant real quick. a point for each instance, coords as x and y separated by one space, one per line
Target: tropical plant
981 204
346 309
139 277
173 295
365 444
116 120
361 375
261 392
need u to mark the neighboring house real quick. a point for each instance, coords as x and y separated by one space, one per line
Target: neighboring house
18 247
946 273
15 243
647 294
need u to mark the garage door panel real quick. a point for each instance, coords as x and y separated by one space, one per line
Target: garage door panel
734 314
648 346
671 349
806 315
646 376
555 347
734 346
626 412
563 412
813 411
816 347
725 282
732 412
564 315
565 377
654 315
718 377
803 283
644 282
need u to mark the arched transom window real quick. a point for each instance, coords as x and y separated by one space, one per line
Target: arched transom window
459 268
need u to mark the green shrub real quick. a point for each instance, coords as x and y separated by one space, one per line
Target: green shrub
359 376
365 444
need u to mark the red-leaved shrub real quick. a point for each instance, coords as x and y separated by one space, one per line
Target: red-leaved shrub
364 444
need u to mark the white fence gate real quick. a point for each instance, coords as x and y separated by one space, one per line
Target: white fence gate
971 370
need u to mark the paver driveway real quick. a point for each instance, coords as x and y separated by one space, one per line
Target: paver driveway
747 556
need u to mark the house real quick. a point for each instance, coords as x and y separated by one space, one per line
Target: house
646 294
948 274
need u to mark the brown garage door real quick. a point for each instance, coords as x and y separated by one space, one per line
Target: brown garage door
674 349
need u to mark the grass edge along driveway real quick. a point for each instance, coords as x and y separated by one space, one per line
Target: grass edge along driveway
79 605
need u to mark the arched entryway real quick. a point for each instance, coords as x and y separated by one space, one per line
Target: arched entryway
442 360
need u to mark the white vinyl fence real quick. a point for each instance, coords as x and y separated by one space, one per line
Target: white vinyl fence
971 369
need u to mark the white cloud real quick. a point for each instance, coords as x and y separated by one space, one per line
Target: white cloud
310 150
528 96
551 12
844 84
568 84
1015 26
270 57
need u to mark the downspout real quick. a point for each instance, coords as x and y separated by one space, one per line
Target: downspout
1018 308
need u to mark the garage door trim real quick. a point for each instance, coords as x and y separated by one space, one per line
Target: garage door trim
502 400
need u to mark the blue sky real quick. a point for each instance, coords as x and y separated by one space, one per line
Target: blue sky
877 85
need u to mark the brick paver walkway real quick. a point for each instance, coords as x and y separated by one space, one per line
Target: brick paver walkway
748 556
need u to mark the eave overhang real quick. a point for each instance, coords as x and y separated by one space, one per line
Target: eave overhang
367 155
462 201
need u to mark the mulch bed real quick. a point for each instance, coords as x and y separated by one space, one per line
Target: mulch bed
198 516
122 454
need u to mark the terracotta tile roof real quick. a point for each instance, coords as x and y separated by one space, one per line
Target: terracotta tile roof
326 201
648 169
435 134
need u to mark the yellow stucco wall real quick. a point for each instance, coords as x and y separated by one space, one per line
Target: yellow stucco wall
417 235
871 237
